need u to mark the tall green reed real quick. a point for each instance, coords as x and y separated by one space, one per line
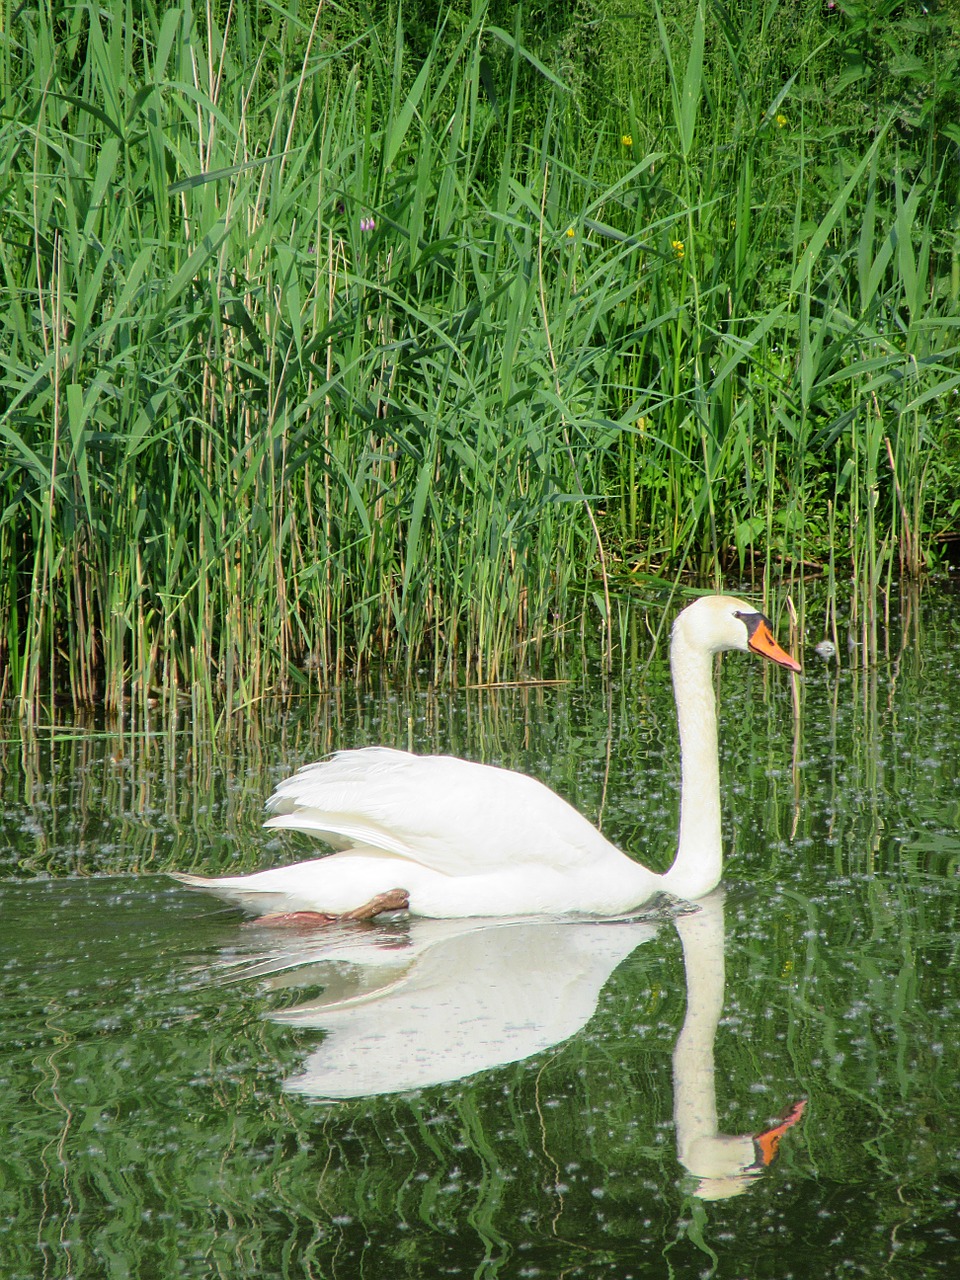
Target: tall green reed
274 412
315 357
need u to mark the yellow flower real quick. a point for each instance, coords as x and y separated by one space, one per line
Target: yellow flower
570 232
627 140
677 247
781 120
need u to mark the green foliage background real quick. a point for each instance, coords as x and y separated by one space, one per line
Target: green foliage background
346 334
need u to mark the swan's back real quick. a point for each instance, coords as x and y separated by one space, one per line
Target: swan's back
451 815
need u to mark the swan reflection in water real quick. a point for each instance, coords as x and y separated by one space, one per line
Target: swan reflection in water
427 1002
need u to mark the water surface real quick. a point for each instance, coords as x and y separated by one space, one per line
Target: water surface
185 1094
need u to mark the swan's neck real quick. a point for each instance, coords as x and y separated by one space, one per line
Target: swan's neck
697 866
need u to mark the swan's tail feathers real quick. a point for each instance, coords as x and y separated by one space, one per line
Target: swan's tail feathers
767 1144
339 884
233 890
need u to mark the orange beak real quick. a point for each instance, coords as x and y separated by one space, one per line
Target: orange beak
761 641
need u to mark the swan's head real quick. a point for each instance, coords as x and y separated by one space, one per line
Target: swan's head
713 623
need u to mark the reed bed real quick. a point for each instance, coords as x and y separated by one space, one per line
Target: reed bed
326 345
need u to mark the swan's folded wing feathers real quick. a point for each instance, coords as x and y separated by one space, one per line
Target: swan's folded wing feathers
342 831
451 815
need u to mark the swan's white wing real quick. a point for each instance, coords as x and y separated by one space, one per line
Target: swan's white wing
450 815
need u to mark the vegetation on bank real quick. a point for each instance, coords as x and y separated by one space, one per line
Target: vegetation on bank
332 337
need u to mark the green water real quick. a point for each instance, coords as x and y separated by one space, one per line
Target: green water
549 1098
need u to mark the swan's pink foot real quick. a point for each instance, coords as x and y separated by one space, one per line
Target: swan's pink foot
392 900
768 1142
296 919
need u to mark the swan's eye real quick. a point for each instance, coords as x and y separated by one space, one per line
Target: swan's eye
750 620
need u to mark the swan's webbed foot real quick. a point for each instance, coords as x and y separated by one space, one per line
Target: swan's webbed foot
392 900
296 919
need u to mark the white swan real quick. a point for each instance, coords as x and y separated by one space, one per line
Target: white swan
446 837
